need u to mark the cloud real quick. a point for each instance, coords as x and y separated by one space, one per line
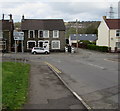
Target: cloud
65 10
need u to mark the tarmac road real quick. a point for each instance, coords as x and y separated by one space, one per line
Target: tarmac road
92 75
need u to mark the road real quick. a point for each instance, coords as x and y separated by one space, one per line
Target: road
92 75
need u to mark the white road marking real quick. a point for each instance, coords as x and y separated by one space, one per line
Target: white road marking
96 66
90 64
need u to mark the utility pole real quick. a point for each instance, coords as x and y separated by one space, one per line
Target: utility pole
77 35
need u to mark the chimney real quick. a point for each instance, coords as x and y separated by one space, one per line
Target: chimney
10 18
3 17
104 17
23 17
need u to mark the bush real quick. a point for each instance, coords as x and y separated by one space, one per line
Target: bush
97 48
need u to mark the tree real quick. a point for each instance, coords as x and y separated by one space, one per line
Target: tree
17 25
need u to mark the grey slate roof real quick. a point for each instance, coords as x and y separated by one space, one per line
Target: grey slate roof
42 24
90 37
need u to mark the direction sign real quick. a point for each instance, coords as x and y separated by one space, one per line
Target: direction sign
18 35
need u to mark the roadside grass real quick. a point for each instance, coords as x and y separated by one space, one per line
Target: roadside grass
14 84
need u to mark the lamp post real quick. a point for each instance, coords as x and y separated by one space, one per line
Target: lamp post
77 35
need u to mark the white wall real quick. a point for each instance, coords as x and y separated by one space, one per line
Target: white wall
103 35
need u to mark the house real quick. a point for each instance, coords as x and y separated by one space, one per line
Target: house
109 34
47 33
6 34
73 38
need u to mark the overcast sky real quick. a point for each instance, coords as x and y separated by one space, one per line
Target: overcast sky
83 10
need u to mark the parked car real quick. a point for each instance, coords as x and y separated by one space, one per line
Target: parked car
36 50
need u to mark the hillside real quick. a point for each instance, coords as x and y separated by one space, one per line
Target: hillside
84 27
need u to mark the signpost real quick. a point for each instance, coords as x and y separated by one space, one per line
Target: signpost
19 36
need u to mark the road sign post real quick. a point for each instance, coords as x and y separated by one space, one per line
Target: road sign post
19 36
22 46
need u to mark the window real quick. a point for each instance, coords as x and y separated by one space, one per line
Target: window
43 33
56 44
31 34
40 34
31 44
1 34
117 33
55 34
118 44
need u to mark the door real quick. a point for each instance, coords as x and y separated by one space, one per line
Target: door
40 44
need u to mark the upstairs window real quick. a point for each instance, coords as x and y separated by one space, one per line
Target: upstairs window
31 34
40 34
55 34
117 33
43 33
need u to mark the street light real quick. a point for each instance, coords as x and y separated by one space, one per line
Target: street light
77 34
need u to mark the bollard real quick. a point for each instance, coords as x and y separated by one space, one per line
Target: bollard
66 49
72 50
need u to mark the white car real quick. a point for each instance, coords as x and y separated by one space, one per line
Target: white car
36 50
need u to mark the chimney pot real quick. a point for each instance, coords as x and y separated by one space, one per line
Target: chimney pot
104 17
23 17
3 17
10 18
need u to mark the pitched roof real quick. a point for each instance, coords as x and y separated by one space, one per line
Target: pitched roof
42 24
6 25
113 23
90 37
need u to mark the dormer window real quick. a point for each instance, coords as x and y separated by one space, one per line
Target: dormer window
117 33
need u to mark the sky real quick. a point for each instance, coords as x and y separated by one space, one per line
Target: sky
69 10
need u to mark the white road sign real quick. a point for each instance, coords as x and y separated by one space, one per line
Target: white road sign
18 35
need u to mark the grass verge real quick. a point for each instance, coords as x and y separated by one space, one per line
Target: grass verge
14 84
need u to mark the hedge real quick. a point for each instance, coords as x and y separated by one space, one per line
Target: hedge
97 48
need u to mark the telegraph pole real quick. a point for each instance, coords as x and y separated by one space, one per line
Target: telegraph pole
77 35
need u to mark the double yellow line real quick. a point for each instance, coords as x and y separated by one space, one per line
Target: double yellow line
53 67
